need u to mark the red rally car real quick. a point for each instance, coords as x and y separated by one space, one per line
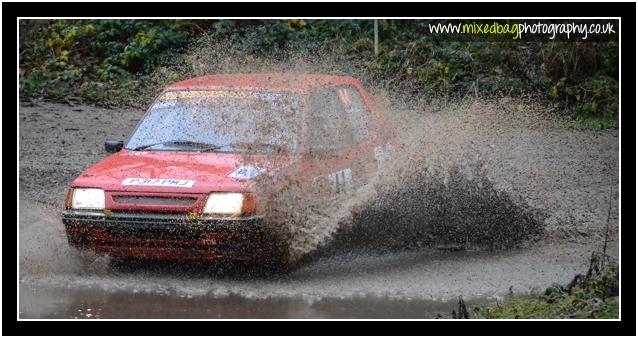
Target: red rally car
185 185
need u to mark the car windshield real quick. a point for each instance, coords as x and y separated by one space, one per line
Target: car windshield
220 120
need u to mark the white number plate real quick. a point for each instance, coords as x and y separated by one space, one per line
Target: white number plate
159 182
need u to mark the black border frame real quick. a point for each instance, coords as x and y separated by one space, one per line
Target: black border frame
627 11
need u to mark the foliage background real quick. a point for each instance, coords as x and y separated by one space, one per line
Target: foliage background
109 61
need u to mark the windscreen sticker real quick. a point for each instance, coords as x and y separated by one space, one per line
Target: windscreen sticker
159 182
187 94
345 97
165 103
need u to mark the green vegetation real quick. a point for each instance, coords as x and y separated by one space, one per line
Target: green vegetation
594 295
96 60
596 122
105 61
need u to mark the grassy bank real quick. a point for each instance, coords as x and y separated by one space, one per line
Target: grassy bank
590 295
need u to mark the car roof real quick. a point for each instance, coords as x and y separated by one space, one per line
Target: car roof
274 81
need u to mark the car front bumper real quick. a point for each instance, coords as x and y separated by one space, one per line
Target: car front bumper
169 236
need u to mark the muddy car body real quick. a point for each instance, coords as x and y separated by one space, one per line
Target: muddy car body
198 177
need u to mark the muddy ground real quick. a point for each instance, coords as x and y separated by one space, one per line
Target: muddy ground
569 174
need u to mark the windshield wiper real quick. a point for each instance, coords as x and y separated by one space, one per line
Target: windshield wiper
203 145
147 146
276 147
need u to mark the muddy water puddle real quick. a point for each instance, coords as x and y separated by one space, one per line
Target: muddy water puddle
398 285
96 304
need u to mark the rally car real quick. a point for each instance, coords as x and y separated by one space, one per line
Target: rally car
198 176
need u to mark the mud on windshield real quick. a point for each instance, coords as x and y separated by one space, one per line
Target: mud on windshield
220 121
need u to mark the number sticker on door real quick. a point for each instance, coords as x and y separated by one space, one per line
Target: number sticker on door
341 180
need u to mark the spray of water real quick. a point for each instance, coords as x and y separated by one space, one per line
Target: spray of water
432 190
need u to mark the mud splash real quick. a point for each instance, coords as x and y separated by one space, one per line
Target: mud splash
452 182
430 192
436 190
443 210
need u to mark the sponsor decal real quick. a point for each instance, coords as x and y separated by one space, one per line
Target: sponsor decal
378 153
341 180
159 182
246 172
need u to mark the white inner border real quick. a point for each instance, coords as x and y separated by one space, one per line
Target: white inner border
313 18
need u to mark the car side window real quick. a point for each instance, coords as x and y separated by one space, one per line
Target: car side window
330 126
357 111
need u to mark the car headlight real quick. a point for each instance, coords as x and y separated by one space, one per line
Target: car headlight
229 204
87 198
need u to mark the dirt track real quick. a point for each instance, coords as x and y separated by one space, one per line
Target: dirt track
566 173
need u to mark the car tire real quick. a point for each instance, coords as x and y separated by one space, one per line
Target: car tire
124 264
275 264
270 268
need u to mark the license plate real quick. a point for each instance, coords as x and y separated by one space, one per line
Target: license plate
159 182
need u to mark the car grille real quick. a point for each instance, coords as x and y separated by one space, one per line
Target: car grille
154 233
146 200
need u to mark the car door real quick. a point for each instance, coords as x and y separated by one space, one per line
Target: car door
337 130
360 151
